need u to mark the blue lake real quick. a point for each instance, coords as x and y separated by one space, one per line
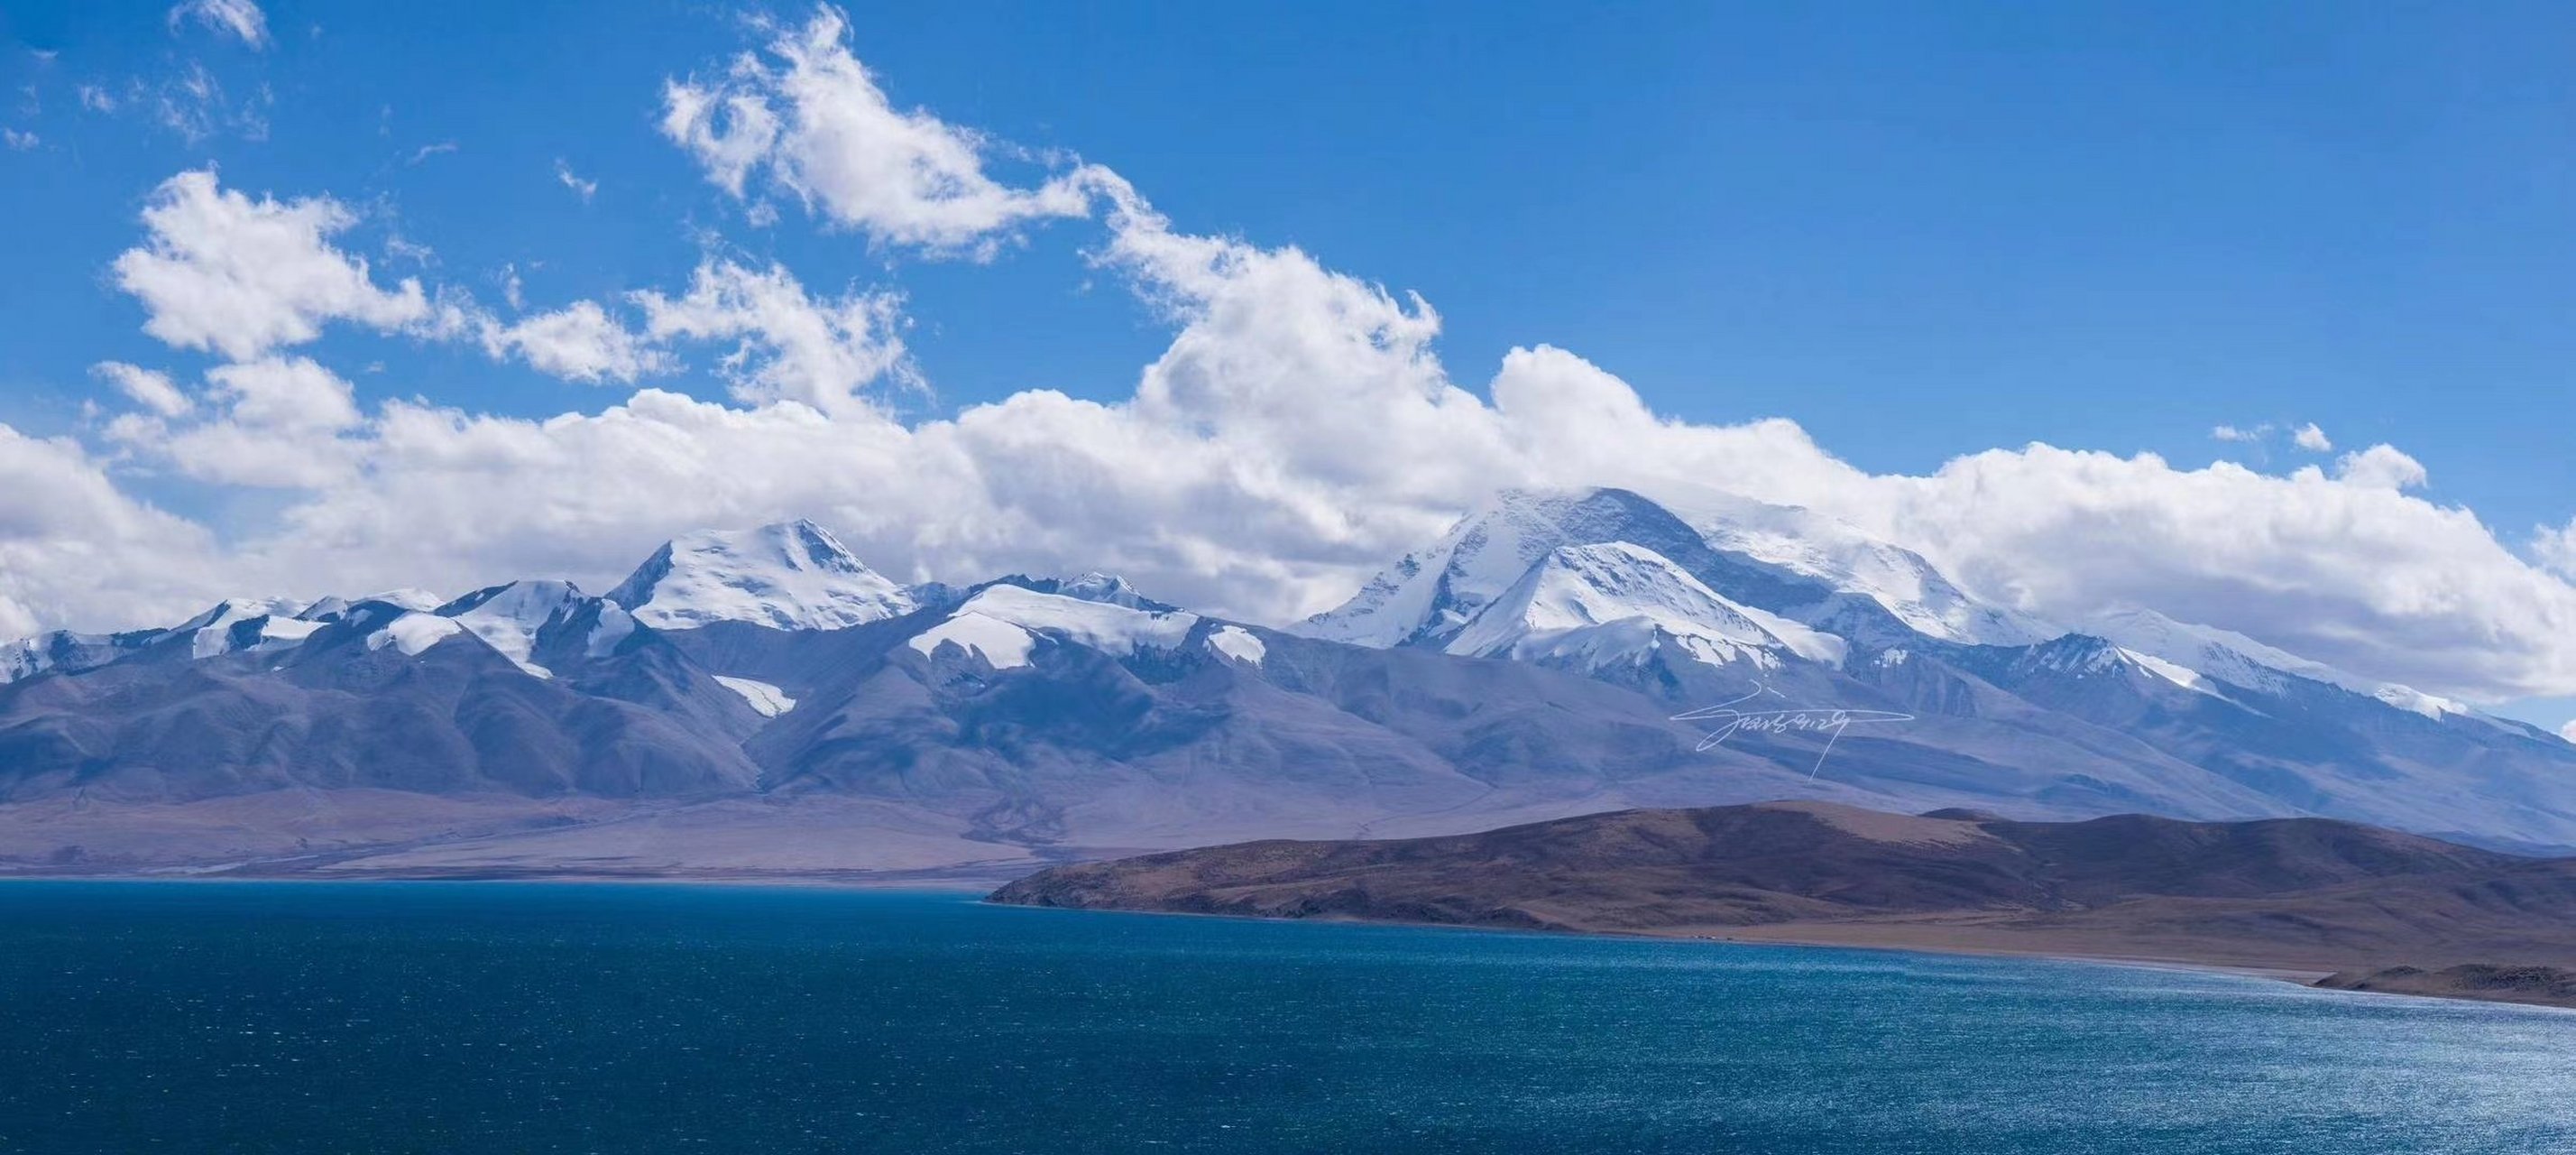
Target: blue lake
525 1017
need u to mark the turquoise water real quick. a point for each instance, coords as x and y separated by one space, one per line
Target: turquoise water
518 1017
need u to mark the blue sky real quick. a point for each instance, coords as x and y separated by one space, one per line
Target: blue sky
1918 231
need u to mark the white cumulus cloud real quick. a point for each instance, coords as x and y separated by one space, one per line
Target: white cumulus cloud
223 271
790 345
150 388
2555 547
579 342
278 423
2312 439
75 547
816 123
2381 467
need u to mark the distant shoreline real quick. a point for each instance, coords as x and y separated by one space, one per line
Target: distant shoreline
2327 904
2299 976
1835 936
971 884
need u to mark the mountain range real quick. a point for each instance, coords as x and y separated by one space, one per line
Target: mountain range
761 703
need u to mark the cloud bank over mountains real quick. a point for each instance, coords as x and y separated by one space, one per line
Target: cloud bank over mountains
1298 431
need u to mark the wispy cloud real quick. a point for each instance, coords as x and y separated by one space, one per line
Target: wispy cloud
585 189
239 18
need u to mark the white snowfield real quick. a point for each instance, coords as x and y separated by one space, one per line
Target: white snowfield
213 629
409 598
413 633
766 700
1238 643
789 576
1002 624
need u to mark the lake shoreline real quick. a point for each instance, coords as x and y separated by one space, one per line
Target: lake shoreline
1846 936
2308 977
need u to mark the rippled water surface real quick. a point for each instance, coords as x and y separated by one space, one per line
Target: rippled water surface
523 1017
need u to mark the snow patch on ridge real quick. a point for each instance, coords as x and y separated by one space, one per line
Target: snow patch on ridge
414 632
1001 644
766 700
213 629
1237 643
1000 623
408 597
2188 679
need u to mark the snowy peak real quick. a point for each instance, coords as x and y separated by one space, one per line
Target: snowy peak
231 626
1620 602
1840 555
793 575
65 650
1431 595
526 618
416 600
1003 622
1107 589
232 610
237 624
253 635
2241 661
1795 563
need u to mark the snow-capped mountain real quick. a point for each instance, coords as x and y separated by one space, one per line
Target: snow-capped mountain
1808 543
1004 623
1782 565
2241 661
1837 581
760 702
1430 595
65 650
1595 605
519 618
231 625
793 575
